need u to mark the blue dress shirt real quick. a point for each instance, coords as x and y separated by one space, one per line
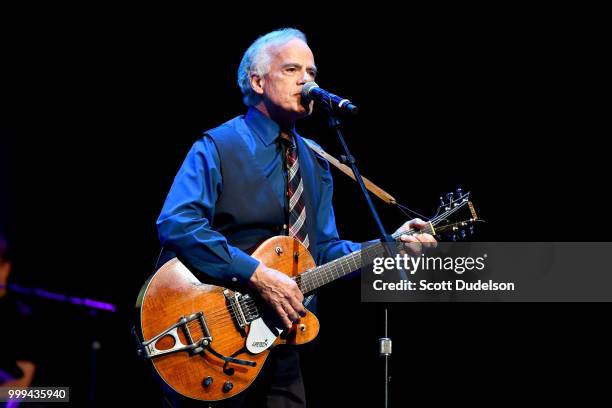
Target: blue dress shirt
184 223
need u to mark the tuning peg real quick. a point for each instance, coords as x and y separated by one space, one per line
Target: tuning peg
442 203
459 192
449 197
463 234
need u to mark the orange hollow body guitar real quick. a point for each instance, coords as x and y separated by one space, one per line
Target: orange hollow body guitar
209 343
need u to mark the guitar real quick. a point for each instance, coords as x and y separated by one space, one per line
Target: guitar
209 343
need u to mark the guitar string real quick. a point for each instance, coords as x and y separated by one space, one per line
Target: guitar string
220 324
250 304
339 262
229 312
229 318
251 307
405 210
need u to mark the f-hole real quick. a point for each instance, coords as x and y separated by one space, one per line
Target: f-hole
229 370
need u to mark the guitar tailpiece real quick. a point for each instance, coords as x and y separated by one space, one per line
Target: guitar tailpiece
148 349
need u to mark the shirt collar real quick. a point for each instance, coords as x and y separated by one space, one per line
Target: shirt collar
265 128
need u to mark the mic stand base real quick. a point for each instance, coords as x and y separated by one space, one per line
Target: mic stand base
385 345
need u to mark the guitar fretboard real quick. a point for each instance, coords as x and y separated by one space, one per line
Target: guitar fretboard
324 274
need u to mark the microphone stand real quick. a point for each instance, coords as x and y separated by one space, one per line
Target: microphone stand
349 160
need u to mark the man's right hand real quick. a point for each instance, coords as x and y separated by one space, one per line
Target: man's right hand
281 293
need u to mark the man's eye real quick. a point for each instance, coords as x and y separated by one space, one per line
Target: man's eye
291 69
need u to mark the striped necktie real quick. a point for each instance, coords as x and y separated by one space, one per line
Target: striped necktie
295 192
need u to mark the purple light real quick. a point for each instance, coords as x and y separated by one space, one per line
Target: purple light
99 305
50 295
93 304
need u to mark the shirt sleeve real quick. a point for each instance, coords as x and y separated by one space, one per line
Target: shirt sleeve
184 225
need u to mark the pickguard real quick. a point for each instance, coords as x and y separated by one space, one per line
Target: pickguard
261 336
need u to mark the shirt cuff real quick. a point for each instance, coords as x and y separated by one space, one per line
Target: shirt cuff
242 267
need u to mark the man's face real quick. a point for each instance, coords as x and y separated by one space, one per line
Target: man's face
291 66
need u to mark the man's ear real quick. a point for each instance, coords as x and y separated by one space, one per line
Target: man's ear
257 84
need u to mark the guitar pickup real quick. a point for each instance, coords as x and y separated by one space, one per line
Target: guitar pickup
149 348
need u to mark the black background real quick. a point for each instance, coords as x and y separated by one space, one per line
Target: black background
100 108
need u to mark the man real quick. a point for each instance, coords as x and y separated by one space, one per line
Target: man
16 367
253 178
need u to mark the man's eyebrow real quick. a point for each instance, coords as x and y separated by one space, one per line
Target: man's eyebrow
296 65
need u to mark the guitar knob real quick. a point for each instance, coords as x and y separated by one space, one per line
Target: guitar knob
207 382
227 386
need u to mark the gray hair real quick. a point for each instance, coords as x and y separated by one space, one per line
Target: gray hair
256 60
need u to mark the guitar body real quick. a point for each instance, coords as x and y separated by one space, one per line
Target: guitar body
173 292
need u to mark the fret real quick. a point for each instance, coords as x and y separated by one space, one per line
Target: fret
324 274
334 272
321 275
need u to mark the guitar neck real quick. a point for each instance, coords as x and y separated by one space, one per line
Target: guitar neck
329 272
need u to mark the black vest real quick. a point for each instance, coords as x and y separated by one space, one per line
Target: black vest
248 211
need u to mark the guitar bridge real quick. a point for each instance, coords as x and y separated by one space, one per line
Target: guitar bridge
242 307
150 350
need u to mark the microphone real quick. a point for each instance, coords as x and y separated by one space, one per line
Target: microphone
311 91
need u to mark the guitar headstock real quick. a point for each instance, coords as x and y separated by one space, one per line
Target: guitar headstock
456 217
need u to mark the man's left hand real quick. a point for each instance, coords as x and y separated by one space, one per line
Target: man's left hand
416 243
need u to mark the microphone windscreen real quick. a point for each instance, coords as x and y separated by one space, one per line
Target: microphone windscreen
308 86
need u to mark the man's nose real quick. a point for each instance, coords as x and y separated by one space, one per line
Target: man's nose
306 77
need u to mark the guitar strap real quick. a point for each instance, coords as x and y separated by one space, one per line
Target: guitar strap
373 188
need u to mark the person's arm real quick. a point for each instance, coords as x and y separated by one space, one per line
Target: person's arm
184 225
28 368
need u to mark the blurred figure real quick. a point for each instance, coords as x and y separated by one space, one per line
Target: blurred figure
17 365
